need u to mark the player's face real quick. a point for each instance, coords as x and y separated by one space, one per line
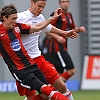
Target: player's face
10 22
37 8
64 4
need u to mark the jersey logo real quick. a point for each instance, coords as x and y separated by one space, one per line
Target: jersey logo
64 19
15 45
17 29
34 22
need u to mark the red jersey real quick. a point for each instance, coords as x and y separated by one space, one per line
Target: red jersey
12 49
64 22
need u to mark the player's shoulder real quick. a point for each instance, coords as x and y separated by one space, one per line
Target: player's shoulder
41 16
2 28
69 13
21 14
0 24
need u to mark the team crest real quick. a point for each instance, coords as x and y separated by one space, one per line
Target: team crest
17 29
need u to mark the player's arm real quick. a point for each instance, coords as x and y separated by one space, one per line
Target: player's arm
39 26
59 38
80 29
70 33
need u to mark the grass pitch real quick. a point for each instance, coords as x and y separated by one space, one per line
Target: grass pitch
78 95
86 95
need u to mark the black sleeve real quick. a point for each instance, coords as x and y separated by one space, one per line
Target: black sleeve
52 14
25 31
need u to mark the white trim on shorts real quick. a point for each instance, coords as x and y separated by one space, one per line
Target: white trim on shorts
26 86
61 59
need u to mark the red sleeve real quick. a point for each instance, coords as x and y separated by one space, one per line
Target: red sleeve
72 24
54 21
25 28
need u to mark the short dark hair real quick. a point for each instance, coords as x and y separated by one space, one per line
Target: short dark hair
60 1
38 0
7 10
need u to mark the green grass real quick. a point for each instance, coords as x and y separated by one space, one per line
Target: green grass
78 95
86 95
10 96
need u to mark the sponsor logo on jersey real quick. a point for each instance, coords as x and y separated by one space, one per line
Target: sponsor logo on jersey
15 45
34 22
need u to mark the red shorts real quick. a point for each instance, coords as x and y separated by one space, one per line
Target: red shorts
47 69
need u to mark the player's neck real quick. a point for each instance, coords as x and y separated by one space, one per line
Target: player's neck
64 11
4 25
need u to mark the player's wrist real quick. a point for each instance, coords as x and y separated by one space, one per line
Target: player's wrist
79 29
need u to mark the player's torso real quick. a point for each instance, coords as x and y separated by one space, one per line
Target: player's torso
12 50
64 22
30 41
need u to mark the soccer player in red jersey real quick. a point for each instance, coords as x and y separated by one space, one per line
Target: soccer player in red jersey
20 64
56 49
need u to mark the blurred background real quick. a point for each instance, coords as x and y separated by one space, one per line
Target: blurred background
84 51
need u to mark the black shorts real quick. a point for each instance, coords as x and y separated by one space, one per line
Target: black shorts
61 60
31 78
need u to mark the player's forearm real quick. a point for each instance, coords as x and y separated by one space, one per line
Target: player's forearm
58 31
41 25
56 36
79 29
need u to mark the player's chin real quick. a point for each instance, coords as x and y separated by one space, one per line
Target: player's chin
12 27
38 13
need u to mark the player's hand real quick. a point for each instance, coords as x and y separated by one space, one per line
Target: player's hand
72 34
56 13
82 29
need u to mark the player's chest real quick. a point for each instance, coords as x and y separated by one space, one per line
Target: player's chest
65 19
9 36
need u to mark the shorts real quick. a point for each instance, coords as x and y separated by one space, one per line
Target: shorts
31 78
24 91
47 69
61 60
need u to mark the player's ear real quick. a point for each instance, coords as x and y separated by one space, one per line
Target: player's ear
31 2
4 18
